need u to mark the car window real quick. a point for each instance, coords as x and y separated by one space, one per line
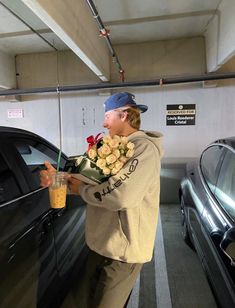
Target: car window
34 154
210 163
9 187
35 157
225 189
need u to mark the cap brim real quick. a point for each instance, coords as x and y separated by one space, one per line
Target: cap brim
142 108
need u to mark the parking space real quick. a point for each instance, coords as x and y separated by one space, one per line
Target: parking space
174 278
187 281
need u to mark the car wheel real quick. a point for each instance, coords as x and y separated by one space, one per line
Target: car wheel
184 230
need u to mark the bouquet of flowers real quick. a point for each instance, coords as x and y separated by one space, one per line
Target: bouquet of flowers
104 157
111 153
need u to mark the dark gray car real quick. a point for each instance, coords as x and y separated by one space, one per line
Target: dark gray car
208 215
39 247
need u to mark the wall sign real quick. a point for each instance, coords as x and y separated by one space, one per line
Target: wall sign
180 114
15 113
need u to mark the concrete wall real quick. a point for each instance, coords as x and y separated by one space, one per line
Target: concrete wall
7 71
83 115
46 69
161 58
158 59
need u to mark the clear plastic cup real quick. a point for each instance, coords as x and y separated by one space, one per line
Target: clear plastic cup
58 190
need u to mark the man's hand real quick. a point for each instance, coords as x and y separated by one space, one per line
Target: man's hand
45 178
45 175
73 185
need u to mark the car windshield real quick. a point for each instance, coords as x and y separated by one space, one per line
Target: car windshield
210 162
225 188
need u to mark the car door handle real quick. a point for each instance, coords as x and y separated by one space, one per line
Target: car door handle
43 229
11 258
58 212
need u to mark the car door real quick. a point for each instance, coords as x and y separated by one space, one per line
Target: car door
68 223
208 169
215 223
27 254
225 195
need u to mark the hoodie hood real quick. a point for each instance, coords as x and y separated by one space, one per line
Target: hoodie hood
155 137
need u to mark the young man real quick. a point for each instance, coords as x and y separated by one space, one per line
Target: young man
122 213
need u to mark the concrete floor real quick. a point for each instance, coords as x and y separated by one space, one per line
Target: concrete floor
174 277
187 281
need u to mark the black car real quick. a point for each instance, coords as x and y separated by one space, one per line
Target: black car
208 215
39 247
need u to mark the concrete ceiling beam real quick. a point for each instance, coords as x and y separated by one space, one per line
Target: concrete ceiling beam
132 21
73 23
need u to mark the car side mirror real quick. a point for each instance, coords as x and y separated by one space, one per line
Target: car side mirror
227 245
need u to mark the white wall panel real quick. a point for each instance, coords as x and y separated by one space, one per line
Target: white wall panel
40 117
83 116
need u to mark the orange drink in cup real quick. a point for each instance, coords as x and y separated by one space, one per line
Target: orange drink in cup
58 190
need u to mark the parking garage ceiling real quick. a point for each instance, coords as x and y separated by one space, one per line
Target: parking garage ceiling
128 22
25 26
138 21
16 35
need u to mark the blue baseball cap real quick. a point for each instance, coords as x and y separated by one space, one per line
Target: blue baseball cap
122 99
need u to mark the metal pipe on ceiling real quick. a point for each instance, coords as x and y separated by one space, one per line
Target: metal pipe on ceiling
102 86
104 32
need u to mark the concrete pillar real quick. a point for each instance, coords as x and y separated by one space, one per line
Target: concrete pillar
7 72
220 37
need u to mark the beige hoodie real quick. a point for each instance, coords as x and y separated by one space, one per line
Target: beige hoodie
122 213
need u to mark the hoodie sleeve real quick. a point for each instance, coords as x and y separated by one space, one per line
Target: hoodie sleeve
125 189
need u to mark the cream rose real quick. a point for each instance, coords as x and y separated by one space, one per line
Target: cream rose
114 143
130 145
118 165
116 152
111 166
106 139
105 149
116 137
111 159
130 153
106 171
114 171
101 163
124 140
92 153
100 154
